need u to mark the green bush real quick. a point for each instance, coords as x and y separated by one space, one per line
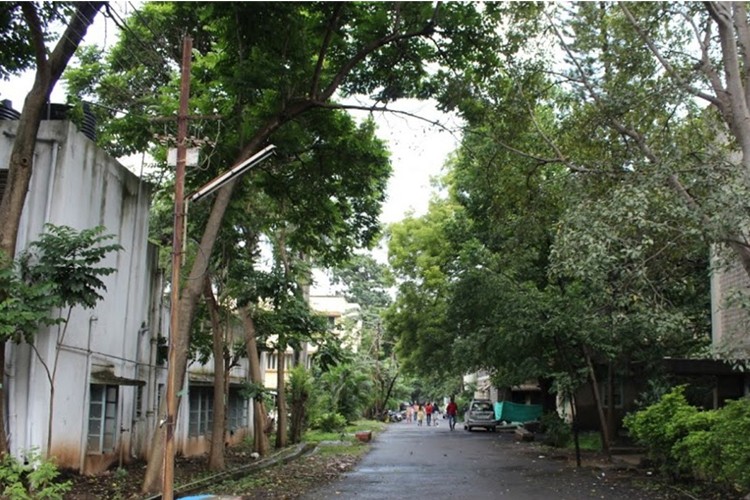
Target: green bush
557 433
730 437
695 453
34 479
330 422
710 445
660 426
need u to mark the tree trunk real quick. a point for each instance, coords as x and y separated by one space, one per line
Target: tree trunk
3 433
576 428
299 405
260 438
597 402
390 390
20 168
189 297
218 427
611 400
281 425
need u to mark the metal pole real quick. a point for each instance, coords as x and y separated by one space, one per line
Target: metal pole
179 222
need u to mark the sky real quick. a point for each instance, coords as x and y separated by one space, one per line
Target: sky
418 148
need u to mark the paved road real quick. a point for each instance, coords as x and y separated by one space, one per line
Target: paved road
433 462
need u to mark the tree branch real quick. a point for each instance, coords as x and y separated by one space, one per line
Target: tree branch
664 62
37 35
743 40
369 49
740 122
708 69
673 181
332 23
547 139
82 18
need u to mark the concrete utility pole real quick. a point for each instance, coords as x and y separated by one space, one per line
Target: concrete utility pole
179 222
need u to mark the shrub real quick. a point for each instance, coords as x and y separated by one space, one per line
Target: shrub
34 479
557 433
710 445
731 439
330 422
299 389
660 426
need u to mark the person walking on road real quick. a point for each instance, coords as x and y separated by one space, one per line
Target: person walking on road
428 412
420 415
451 410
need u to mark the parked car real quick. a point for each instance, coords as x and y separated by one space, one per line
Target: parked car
481 413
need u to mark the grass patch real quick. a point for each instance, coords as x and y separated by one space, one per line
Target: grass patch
292 479
352 449
246 483
316 436
588 441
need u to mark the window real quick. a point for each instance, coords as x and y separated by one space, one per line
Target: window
138 401
3 180
201 411
237 413
273 361
159 396
102 418
617 393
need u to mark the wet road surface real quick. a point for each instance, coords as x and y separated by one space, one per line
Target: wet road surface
434 462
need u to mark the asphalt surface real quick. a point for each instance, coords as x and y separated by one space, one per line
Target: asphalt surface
433 462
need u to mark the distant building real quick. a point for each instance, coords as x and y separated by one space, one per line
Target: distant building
344 318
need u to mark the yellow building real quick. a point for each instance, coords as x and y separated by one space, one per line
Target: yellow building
344 320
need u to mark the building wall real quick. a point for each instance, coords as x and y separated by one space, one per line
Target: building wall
115 344
200 377
730 322
76 184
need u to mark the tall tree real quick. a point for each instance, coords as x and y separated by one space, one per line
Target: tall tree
385 50
642 71
529 165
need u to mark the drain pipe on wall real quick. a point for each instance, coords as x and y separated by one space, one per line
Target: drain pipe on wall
134 417
85 399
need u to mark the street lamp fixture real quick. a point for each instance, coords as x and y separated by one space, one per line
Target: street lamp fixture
235 171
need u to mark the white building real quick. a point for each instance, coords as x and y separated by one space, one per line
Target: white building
111 362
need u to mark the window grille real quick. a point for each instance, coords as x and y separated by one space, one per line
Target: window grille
201 411
102 431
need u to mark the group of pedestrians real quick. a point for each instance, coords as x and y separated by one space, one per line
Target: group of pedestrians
431 412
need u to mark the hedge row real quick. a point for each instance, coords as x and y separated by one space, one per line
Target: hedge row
712 445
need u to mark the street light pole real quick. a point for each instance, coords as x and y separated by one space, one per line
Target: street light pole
179 222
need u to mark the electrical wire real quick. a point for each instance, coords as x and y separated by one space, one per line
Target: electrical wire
147 58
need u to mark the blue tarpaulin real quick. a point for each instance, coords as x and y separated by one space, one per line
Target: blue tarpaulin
514 412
